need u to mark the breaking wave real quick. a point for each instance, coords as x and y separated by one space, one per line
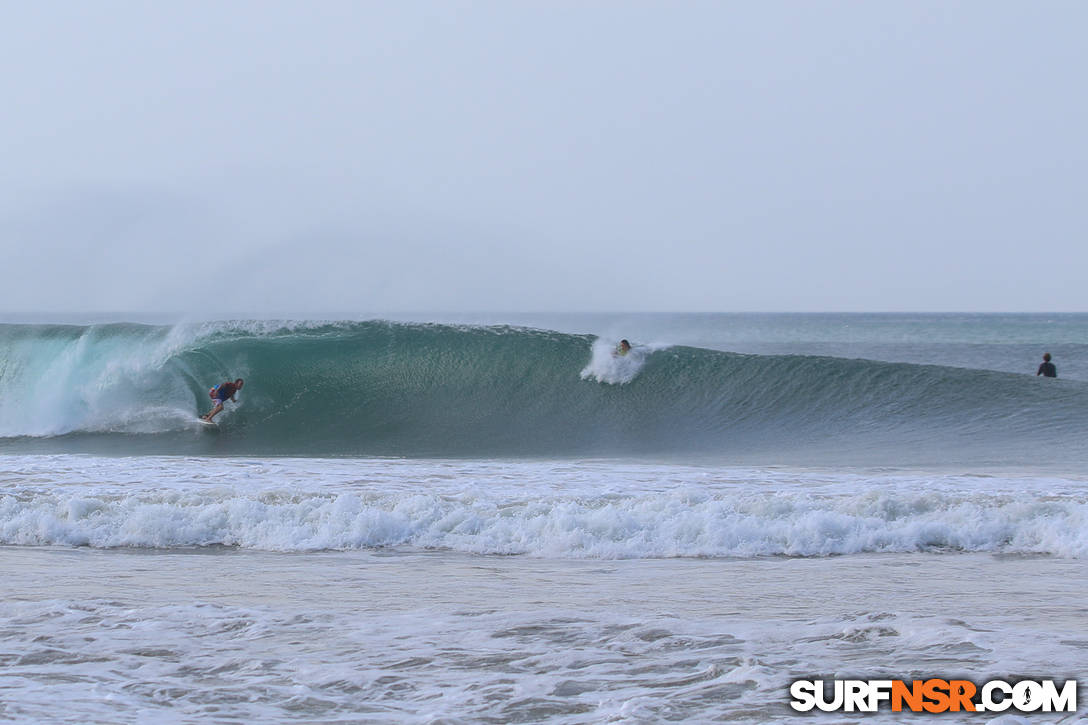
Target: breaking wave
381 388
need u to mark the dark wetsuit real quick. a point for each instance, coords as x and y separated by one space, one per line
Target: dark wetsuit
1047 369
226 391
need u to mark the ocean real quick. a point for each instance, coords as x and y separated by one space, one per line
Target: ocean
492 518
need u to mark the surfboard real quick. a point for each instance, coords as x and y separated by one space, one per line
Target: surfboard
207 423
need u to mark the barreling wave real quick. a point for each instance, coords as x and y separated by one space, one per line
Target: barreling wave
380 388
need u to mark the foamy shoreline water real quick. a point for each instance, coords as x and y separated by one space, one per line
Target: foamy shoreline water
241 636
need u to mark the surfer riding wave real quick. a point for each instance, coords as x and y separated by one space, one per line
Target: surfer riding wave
220 394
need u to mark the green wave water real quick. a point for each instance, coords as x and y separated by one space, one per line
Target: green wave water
392 389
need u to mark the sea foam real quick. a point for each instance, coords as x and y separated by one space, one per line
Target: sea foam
609 366
533 510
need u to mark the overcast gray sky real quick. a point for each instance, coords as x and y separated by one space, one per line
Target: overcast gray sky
225 158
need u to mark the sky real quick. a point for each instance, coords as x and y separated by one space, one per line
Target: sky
269 158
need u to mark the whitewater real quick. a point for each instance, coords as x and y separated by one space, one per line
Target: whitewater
497 518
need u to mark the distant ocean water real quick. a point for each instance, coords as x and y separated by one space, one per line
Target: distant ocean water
495 519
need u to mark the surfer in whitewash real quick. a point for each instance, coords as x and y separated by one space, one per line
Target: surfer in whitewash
220 394
1047 368
622 349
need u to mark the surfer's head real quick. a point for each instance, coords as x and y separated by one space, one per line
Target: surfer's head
239 382
1046 356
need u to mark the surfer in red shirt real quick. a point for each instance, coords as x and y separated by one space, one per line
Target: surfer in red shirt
220 394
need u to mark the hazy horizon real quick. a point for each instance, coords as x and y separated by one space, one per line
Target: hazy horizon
516 318
258 159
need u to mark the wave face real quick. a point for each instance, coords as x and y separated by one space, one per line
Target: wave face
380 388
